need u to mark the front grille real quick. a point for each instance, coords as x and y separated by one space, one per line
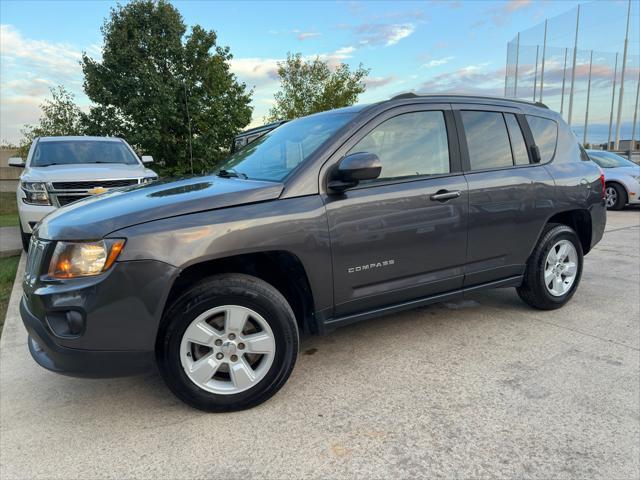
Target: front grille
93 184
35 258
67 199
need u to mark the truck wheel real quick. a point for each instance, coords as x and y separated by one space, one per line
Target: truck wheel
553 270
228 343
25 237
616 196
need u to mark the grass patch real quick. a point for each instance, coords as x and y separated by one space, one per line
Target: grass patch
8 267
8 210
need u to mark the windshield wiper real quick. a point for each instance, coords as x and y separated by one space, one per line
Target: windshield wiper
231 174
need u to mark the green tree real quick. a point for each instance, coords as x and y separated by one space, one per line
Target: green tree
312 86
60 116
168 92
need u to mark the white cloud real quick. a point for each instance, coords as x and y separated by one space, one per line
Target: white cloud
383 34
29 68
436 62
307 35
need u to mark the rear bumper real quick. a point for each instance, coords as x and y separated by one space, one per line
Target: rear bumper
80 363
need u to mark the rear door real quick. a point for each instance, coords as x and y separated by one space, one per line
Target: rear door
510 197
392 240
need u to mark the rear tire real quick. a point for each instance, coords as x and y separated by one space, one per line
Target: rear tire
224 322
25 237
552 277
616 196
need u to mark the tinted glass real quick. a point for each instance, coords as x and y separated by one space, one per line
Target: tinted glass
487 139
610 160
518 145
409 145
72 152
545 134
276 153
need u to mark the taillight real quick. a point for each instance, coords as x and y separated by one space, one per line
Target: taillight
603 192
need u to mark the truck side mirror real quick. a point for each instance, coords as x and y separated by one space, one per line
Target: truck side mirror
146 159
16 162
354 168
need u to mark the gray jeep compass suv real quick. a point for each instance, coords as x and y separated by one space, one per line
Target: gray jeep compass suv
329 219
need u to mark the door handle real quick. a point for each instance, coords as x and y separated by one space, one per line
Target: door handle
444 195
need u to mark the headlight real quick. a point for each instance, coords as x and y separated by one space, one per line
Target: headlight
82 259
636 178
148 179
35 193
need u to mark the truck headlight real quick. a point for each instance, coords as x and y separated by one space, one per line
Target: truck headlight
83 259
148 179
35 193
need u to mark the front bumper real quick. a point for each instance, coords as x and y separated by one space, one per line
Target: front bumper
79 363
30 215
100 326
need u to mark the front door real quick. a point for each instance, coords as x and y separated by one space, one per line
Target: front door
402 236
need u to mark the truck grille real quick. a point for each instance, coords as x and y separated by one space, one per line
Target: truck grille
92 184
64 193
67 199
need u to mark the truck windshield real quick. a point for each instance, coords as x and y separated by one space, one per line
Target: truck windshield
74 152
273 156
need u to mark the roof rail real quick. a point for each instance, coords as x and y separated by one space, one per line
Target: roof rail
459 95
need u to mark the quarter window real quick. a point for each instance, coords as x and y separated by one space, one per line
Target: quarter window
518 145
487 139
409 145
545 134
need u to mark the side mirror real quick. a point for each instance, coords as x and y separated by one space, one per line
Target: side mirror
535 154
16 162
146 159
354 168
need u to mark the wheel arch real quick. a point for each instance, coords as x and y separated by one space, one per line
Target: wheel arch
280 268
579 220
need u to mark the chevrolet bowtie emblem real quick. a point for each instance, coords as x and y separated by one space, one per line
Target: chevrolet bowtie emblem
97 190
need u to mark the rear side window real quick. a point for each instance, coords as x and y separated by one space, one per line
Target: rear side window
545 134
409 145
487 139
518 145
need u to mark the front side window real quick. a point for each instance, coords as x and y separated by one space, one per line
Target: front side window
409 145
487 139
275 154
76 152
545 134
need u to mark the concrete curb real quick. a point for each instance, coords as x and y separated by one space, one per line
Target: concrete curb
11 320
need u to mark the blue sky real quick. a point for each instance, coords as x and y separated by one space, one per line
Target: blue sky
418 45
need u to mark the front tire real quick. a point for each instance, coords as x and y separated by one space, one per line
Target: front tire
616 196
553 270
228 343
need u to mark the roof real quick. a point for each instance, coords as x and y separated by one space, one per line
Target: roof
467 97
79 138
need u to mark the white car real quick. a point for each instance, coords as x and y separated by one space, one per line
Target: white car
622 179
61 170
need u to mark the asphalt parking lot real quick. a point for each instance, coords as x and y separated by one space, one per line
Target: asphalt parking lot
486 387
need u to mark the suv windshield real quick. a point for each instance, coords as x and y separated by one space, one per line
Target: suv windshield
610 160
72 152
273 156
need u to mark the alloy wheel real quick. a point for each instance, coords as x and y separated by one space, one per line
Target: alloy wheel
227 349
561 267
611 196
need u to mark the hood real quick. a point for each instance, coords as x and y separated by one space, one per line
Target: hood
619 172
95 217
83 172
